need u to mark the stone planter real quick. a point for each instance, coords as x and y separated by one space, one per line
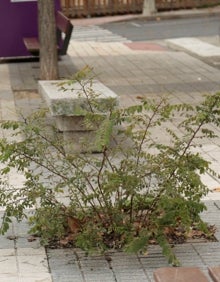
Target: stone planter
70 107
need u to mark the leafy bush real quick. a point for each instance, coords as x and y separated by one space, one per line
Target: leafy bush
125 197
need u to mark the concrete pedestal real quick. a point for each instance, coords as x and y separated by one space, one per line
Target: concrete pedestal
70 107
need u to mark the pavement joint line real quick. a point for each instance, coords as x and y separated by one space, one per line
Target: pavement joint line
108 260
79 266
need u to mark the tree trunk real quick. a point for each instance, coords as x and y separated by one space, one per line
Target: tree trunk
149 7
47 38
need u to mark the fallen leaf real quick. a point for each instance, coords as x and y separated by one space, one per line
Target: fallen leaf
74 224
12 237
217 189
64 241
31 238
139 97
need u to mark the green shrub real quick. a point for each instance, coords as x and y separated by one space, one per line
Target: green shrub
122 198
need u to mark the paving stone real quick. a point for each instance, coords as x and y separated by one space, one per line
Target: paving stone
32 264
179 274
5 243
9 277
8 265
209 253
23 242
64 266
92 267
21 228
98 277
187 255
215 273
31 251
7 252
67 278
129 275
35 277
8 111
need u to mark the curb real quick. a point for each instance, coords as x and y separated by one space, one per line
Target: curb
178 14
181 14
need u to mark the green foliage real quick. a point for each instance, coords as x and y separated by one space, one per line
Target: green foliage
49 222
129 194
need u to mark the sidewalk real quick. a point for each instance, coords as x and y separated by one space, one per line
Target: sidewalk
130 71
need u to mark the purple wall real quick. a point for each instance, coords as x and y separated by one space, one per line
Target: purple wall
17 20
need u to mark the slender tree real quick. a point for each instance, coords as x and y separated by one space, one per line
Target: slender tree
47 38
149 7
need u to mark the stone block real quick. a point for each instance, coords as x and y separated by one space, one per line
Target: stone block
179 274
70 108
73 123
73 102
80 141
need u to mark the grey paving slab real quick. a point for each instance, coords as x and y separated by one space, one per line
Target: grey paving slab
208 252
6 243
64 265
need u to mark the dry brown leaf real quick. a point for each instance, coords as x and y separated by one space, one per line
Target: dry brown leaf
64 242
140 97
217 189
73 224
31 238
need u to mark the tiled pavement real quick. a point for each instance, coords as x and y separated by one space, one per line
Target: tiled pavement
130 71
22 259
149 71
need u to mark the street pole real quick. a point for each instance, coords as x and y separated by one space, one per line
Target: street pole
149 7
